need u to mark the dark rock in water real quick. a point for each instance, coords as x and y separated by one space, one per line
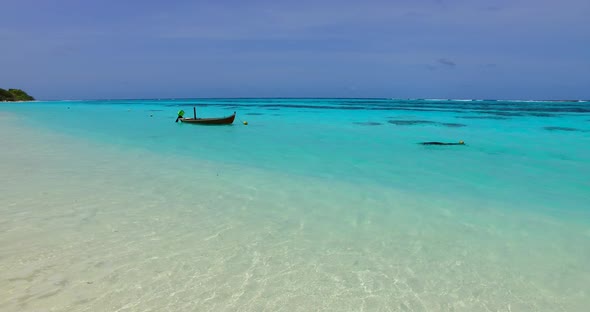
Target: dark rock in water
484 117
542 115
561 129
509 114
254 114
452 125
410 122
442 143
368 123
425 122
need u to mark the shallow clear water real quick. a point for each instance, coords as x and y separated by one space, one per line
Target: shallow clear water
317 204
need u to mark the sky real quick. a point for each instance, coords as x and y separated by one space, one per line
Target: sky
495 49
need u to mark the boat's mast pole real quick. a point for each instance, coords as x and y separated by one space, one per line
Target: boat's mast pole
195 112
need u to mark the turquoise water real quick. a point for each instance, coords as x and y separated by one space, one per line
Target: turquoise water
339 187
514 159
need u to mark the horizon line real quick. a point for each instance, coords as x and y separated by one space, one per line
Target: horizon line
308 98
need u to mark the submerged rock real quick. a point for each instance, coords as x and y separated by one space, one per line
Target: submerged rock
452 125
368 123
425 122
410 122
562 129
484 117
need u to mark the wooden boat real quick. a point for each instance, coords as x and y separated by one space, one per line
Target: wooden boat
210 121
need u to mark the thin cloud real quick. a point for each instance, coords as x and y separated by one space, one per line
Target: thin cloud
447 62
493 8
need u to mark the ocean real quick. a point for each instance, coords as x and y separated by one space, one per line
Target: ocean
314 205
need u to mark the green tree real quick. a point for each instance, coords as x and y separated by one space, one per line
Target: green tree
14 95
20 95
5 95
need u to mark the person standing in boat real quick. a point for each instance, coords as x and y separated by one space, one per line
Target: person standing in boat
180 115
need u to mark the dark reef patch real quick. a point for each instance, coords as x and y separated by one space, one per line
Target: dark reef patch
398 122
484 117
568 129
506 114
452 124
542 115
254 114
368 123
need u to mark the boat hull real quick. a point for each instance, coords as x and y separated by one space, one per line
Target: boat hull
210 121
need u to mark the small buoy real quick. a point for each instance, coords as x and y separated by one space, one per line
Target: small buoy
151 115
461 142
245 123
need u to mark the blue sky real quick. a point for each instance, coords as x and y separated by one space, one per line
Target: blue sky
75 49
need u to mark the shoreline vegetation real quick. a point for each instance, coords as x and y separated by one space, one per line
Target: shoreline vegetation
14 95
